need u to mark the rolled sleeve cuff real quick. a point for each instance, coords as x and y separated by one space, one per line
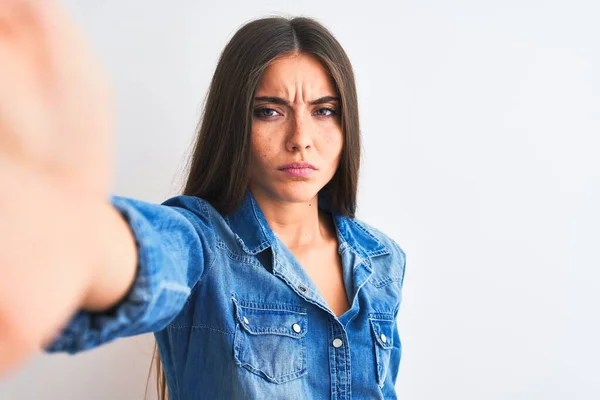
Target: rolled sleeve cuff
145 308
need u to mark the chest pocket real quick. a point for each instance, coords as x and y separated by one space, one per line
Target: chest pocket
269 340
382 329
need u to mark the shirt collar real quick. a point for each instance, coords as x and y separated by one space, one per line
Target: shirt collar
255 235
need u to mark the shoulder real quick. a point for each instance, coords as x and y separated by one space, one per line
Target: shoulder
388 242
190 203
195 208
390 267
202 214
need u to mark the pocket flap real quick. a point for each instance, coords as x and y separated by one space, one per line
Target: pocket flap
272 318
382 328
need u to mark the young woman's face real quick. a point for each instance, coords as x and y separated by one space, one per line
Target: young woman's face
296 120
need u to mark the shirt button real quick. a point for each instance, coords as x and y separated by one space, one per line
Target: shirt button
337 343
296 328
246 321
383 338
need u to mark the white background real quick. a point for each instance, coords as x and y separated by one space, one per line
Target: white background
481 127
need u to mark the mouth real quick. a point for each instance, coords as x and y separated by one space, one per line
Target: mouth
297 165
298 169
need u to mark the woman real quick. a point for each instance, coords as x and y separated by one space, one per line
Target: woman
257 281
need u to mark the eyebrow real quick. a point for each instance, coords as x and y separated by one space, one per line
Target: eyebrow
283 102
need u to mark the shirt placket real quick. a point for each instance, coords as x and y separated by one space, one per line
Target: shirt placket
339 362
337 342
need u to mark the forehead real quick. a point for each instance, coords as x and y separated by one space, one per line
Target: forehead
298 72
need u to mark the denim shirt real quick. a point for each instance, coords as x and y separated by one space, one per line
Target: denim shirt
235 315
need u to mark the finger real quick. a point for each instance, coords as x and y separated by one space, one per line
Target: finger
20 101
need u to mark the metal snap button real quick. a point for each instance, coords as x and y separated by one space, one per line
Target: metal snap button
246 320
383 338
296 328
337 343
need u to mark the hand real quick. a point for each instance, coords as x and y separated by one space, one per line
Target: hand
55 155
55 109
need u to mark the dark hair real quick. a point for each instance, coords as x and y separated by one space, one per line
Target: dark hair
218 166
218 169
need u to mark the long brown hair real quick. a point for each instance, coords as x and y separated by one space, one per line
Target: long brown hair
218 165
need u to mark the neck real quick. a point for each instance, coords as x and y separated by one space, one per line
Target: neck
297 224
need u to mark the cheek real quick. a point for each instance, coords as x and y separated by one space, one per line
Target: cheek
262 148
333 146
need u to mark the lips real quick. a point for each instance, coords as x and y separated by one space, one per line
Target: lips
297 165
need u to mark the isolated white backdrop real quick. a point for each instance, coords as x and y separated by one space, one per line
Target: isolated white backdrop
481 127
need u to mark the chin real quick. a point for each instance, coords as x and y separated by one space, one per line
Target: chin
298 192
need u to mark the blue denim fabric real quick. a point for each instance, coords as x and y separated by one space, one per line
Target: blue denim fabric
236 317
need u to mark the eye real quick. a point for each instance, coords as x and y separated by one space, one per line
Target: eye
265 112
325 112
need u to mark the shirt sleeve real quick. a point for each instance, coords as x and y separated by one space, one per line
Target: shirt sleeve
176 244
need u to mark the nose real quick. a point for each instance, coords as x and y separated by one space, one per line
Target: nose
299 137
